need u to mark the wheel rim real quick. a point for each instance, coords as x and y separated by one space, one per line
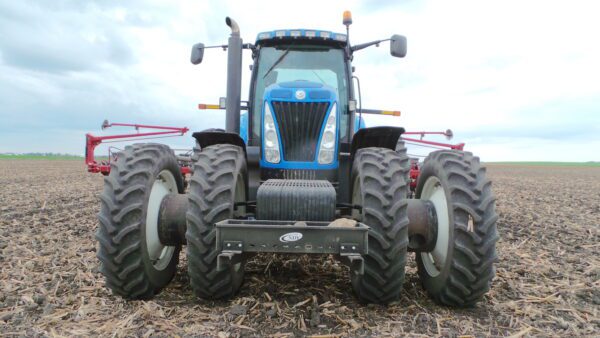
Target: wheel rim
159 254
435 260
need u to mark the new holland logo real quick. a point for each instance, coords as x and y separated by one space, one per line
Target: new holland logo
290 237
300 94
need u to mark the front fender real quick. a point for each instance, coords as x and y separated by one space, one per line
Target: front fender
211 137
381 137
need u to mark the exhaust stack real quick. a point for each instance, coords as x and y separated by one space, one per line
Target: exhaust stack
234 78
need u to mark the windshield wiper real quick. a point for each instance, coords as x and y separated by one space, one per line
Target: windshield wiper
278 61
317 75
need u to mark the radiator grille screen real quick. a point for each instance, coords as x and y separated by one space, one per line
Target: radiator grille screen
299 127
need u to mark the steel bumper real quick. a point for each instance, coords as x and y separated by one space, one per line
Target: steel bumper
236 237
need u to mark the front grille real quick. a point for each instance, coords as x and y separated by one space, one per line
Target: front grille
299 126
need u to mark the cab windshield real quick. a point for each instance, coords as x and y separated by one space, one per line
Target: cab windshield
283 63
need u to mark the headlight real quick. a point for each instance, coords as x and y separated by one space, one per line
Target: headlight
325 156
327 147
272 155
328 139
271 140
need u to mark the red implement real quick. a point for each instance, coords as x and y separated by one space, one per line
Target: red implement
414 163
103 167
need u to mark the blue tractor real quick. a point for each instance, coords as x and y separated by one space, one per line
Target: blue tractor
296 171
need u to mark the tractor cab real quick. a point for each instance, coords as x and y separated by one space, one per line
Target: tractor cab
302 115
298 109
301 58
302 104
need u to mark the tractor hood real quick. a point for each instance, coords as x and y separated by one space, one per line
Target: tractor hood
301 91
299 111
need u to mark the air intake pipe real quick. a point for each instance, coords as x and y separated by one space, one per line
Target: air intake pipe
234 78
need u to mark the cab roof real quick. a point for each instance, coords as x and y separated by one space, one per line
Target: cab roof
302 35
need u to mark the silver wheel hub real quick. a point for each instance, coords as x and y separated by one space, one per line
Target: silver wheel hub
435 260
160 255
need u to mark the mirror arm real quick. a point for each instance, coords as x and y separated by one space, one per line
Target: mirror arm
216 46
367 44
245 46
249 46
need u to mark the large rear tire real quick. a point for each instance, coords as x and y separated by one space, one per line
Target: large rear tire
380 188
218 182
133 261
403 152
459 271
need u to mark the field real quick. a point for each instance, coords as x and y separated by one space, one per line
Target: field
47 157
547 282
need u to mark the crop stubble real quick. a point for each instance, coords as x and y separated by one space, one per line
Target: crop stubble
547 283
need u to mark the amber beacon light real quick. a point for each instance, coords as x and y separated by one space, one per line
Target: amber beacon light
347 18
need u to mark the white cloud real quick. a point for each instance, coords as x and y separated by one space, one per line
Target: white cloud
472 66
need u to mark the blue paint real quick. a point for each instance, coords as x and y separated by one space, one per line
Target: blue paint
281 94
319 95
244 127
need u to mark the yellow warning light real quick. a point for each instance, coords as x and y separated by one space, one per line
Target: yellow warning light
347 18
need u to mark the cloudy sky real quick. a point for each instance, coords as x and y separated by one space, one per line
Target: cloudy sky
515 80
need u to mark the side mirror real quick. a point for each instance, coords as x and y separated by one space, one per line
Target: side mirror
197 53
398 46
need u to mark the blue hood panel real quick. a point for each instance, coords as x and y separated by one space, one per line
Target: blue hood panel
304 98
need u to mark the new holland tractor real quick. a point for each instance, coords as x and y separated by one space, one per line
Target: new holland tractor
296 171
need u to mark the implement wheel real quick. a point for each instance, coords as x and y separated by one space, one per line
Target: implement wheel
218 182
134 262
380 188
459 270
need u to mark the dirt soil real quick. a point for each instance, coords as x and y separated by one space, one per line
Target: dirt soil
547 282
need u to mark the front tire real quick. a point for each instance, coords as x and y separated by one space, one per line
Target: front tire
218 182
380 188
133 261
459 270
